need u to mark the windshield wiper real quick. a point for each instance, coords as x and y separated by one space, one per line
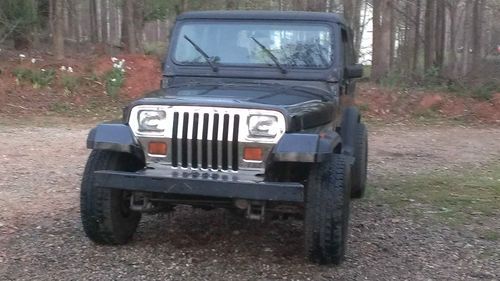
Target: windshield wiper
271 55
205 55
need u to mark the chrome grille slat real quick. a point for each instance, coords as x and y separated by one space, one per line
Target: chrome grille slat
199 140
220 135
180 122
204 149
194 141
214 147
230 142
203 140
175 142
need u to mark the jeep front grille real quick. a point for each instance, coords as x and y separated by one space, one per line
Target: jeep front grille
205 140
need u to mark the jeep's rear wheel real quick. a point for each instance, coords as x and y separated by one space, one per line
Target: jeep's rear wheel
359 168
327 210
105 213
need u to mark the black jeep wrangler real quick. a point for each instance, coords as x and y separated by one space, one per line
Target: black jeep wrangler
250 117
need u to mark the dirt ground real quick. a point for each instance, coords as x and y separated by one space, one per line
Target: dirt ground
41 237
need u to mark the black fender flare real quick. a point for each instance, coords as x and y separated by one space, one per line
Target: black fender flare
306 148
115 137
350 120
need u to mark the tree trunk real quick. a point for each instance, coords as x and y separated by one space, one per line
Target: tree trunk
299 5
138 15
128 27
467 39
94 37
416 43
392 40
316 5
477 32
440 34
105 21
181 7
58 38
381 38
429 44
352 14
451 72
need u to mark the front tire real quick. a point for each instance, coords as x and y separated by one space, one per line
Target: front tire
327 211
105 213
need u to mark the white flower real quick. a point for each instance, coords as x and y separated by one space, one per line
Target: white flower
22 56
113 80
70 69
63 68
123 70
33 60
43 69
113 59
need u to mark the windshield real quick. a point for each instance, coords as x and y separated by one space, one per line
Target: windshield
282 44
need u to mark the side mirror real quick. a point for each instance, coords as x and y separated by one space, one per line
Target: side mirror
354 71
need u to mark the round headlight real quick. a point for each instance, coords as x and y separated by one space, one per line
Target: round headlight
265 126
152 120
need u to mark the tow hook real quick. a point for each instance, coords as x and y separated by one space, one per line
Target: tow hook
255 210
139 202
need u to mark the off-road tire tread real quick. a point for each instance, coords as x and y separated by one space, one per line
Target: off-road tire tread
98 205
327 211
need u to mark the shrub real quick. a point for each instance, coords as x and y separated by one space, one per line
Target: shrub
70 82
155 49
487 90
115 77
38 78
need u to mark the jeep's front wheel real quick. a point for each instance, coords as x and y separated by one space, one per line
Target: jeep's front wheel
327 210
105 213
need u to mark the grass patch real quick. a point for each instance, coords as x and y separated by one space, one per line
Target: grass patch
457 197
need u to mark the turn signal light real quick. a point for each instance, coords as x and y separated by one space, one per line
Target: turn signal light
157 148
252 153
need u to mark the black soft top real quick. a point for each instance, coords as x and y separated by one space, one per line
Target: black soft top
264 15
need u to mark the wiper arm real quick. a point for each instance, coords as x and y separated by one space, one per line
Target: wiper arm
271 55
205 55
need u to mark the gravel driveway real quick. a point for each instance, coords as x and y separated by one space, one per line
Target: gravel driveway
41 236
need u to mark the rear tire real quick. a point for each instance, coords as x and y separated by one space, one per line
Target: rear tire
359 168
327 210
105 213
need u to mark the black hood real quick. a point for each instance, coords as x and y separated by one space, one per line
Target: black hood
305 107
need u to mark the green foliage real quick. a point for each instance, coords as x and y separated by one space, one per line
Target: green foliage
70 82
38 78
394 79
155 49
156 10
114 81
432 77
486 90
482 91
17 17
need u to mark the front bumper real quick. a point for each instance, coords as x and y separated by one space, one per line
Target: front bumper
168 180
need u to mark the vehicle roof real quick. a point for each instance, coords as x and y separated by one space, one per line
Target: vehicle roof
264 15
